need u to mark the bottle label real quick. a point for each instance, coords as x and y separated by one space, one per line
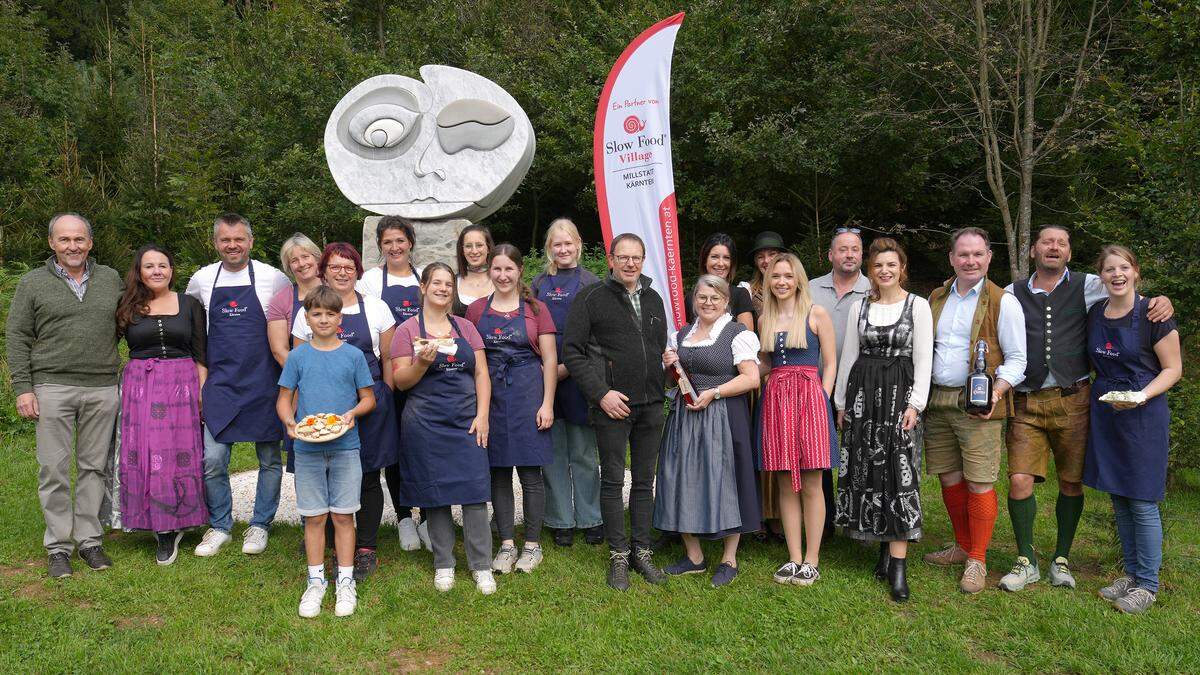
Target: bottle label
979 393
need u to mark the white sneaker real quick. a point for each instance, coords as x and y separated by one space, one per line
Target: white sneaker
423 535
409 539
1060 573
530 559
254 540
505 558
347 598
443 579
485 582
1024 572
310 602
212 542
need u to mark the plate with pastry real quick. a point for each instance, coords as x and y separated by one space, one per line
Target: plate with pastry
445 345
321 428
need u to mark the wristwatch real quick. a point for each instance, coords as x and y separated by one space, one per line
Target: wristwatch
717 394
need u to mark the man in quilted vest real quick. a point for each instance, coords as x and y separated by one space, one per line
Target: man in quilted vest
964 450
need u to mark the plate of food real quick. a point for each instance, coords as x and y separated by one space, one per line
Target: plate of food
445 345
321 428
1124 397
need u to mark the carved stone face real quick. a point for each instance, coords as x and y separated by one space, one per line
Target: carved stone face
453 146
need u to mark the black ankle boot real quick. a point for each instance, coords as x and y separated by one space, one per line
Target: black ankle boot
898 579
881 566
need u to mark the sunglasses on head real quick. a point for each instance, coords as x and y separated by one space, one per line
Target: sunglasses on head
844 230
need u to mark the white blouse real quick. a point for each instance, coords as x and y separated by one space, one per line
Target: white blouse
885 315
745 344
379 320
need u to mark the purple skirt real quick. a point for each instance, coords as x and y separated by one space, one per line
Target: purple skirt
162 446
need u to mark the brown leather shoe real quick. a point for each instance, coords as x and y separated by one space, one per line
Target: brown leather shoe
953 554
974 577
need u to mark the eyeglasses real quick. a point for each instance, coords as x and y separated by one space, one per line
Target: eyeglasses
844 230
349 269
626 259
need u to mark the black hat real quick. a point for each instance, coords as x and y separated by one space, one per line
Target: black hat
767 239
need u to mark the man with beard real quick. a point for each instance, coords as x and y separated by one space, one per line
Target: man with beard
1051 403
239 394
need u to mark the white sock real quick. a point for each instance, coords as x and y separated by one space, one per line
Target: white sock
316 572
345 573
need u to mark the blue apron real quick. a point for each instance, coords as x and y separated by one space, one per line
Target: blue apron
243 377
289 442
404 301
558 292
441 464
1127 449
377 430
517 388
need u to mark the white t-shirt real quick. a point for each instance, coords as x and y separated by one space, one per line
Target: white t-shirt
371 282
379 320
267 282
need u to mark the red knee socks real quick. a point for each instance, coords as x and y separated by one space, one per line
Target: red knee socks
955 497
981 508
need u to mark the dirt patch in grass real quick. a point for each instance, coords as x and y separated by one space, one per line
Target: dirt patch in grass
35 591
10 571
405 660
135 622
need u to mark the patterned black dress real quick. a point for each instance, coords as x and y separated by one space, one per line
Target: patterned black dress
878 493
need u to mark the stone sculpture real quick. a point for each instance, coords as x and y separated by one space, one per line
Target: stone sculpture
453 146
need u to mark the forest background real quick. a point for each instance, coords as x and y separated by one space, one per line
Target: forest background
795 116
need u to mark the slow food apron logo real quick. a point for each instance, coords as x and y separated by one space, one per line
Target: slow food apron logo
1108 351
232 309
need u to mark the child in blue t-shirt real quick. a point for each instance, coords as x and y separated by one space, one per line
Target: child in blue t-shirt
326 376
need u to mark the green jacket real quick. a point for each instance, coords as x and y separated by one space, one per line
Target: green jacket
56 338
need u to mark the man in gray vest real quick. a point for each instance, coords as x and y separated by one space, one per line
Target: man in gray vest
1052 401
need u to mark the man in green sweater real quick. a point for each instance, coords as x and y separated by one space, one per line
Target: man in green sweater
62 351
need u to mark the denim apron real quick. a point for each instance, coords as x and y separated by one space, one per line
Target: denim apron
440 462
517 389
558 292
405 303
1127 449
243 377
377 430
288 442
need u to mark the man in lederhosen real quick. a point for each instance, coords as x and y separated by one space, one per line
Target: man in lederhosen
1051 403
238 399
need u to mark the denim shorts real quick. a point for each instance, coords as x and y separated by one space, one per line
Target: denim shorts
328 480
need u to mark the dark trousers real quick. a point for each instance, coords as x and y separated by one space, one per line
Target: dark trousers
642 432
370 511
827 488
533 501
392 475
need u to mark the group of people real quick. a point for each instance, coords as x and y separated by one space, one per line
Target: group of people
445 382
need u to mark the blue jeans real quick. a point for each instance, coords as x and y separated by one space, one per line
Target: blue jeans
218 495
573 478
1140 528
328 481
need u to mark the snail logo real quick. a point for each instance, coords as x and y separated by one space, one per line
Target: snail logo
455 145
634 124
233 303
1108 346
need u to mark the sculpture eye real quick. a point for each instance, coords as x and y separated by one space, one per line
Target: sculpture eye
473 123
382 125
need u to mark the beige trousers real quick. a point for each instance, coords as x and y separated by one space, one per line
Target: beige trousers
78 420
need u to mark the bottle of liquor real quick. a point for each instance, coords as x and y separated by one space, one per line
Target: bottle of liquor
979 383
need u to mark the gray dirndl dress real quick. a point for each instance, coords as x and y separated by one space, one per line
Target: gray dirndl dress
706 483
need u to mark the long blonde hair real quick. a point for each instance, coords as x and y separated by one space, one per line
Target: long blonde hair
797 333
565 226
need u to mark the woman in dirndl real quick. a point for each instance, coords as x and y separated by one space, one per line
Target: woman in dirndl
1129 437
798 439
882 387
161 464
367 323
707 486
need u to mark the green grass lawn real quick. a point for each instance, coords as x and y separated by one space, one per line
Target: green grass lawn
236 612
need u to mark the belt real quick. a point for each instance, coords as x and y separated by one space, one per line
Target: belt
1063 392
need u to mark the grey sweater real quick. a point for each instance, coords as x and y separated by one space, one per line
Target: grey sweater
56 338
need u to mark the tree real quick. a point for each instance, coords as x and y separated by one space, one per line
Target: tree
1014 77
